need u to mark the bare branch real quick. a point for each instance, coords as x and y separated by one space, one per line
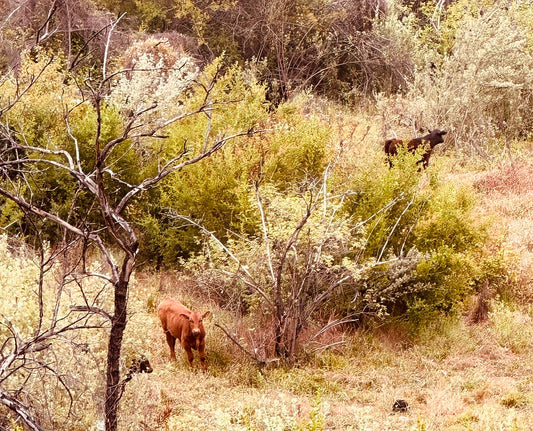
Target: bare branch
334 323
328 346
252 355
91 309
241 268
83 48
13 12
172 166
395 225
266 239
70 167
47 34
20 94
21 410
19 200
108 43
126 133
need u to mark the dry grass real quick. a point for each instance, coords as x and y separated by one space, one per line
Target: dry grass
506 199
468 381
507 195
455 377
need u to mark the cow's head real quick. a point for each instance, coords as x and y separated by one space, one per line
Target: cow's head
435 137
196 321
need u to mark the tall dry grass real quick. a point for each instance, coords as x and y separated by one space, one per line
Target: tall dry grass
507 195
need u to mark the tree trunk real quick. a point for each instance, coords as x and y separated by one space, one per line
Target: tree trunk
278 339
280 347
113 356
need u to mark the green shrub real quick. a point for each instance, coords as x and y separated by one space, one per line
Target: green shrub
219 193
448 220
448 277
297 152
424 239
214 191
388 202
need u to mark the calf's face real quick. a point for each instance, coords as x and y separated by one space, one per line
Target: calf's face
196 321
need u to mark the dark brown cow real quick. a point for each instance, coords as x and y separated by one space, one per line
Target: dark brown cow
180 323
433 138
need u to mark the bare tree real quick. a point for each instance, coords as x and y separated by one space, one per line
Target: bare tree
22 353
328 46
75 23
110 196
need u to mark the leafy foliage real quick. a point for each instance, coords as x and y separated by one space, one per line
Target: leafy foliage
424 239
30 307
217 190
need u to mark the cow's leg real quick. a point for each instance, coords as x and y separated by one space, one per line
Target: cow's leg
201 352
425 159
190 356
423 162
171 343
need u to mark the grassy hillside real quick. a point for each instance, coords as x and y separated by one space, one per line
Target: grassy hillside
454 374
230 154
466 379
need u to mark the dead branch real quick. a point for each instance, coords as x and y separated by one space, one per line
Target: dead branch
253 355
21 410
92 309
173 166
47 34
242 268
20 94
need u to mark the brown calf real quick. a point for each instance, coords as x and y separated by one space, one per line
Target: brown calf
433 138
180 323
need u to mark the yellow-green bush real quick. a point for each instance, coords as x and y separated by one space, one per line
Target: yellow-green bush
291 153
424 239
59 381
505 319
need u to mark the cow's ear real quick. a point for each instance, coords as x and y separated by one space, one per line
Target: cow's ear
185 315
207 313
443 132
